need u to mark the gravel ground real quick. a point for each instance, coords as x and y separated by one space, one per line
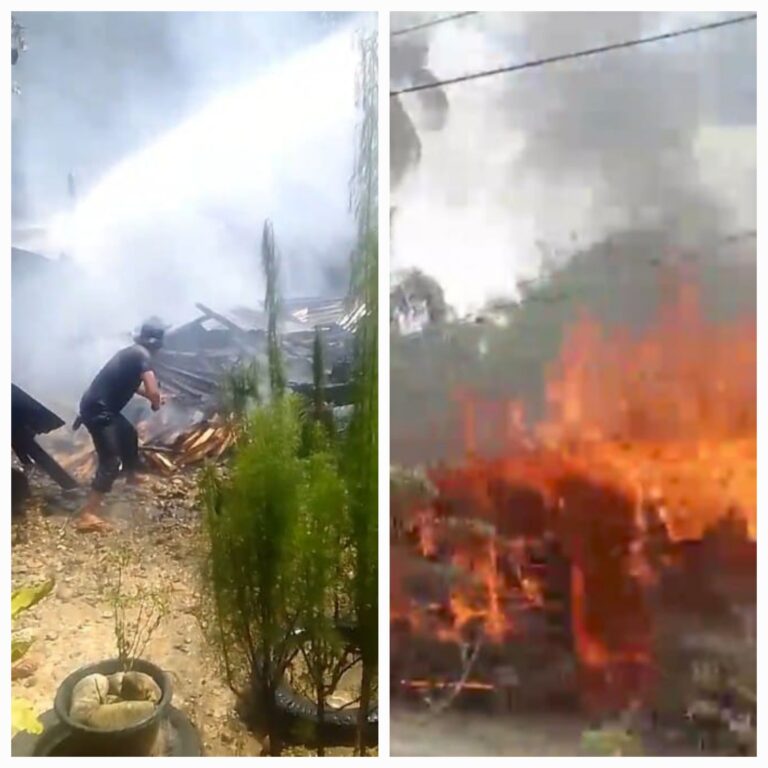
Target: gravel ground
74 626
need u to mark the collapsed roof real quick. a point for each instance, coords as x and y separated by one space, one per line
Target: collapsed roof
198 354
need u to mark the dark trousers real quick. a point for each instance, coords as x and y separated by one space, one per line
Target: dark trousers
117 445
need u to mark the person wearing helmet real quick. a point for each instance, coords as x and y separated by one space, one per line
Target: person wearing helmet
115 439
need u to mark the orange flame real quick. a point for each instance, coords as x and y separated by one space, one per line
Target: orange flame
664 415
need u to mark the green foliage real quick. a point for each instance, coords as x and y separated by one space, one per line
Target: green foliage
25 598
292 529
23 715
318 376
253 530
240 389
270 266
361 451
279 557
364 187
321 413
361 458
322 577
258 523
19 648
323 531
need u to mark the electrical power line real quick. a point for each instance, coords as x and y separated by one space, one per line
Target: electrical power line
432 23
575 55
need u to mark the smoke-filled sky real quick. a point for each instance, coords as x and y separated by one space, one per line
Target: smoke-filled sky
547 159
184 132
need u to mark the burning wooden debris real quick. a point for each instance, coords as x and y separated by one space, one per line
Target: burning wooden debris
562 614
167 453
207 441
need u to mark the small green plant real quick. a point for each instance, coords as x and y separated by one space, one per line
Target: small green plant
361 448
316 410
240 390
318 377
271 266
23 715
137 614
322 581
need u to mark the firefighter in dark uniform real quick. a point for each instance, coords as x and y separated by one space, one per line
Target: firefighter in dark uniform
130 372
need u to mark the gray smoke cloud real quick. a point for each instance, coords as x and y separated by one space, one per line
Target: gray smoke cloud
182 133
408 66
628 121
659 136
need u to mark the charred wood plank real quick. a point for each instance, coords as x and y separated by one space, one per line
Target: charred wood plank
226 322
48 464
28 414
156 448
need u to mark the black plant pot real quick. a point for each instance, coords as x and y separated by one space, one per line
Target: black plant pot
135 741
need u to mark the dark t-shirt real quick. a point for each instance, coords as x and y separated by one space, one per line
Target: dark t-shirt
116 383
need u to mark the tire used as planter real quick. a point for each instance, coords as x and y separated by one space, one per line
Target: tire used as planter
135 741
299 719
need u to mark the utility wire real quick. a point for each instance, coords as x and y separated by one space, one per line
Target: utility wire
575 55
432 23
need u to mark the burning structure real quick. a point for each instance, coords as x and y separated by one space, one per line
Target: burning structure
605 555
198 353
193 368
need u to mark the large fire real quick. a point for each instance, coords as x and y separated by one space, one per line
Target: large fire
673 409
649 439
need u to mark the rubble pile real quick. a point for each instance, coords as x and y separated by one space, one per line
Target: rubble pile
197 355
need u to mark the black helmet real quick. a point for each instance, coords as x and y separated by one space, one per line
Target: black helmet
151 334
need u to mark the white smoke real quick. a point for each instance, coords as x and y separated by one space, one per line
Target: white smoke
662 135
184 132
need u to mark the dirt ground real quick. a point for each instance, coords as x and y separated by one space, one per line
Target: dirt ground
418 733
452 733
74 626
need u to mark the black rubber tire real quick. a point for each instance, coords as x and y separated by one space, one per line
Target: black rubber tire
299 715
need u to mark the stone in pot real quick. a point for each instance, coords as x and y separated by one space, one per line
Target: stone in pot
115 683
137 686
123 714
88 694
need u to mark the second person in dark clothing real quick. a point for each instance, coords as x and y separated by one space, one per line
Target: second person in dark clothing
115 439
